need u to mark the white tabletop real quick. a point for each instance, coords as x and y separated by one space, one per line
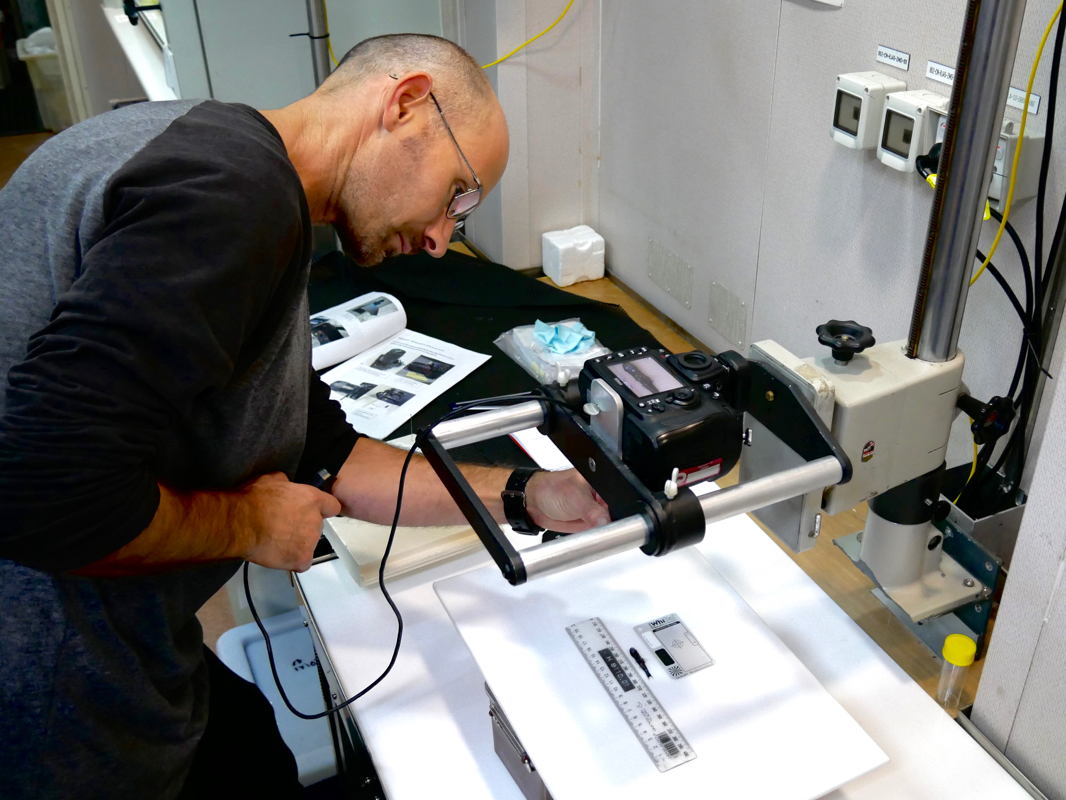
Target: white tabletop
748 709
427 727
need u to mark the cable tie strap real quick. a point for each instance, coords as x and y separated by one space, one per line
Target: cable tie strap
309 36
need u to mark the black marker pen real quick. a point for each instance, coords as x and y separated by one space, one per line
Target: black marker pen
640 661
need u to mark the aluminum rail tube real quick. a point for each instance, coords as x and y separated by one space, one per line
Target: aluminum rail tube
583 548
978 96
317 31
625 534
489 424
761 492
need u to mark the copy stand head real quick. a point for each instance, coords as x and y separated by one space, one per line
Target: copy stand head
619 445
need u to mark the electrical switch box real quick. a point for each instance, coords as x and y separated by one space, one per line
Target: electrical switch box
910 125
860 98
1025 185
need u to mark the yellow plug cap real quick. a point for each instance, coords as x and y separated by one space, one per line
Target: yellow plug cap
959 650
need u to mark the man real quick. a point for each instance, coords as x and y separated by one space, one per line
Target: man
159 409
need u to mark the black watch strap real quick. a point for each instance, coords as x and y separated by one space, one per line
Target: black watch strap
514 501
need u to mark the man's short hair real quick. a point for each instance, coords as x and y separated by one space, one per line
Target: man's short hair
459 84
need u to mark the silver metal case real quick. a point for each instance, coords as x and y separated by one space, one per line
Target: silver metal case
513 755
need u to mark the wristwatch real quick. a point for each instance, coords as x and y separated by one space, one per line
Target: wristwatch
514 502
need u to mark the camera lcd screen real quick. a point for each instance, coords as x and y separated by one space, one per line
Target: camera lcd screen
899 128
849 108
645 376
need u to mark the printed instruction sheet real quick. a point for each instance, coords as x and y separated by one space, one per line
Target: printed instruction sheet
387 385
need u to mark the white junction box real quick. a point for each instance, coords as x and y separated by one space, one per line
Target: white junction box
1025 185
911 124
857 110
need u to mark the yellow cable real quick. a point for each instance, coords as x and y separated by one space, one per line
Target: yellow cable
973 469
1018 150
498 60
329 42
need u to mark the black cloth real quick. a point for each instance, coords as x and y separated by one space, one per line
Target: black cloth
470 302
241 753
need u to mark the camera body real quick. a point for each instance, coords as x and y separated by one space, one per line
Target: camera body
679 411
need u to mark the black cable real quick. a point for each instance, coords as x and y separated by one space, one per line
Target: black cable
1029 332
1023 255
1028 359
1028 367
995 273
1045 161
459 409
971 485
1056 244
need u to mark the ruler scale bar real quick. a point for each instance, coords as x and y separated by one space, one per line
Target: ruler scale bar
641 710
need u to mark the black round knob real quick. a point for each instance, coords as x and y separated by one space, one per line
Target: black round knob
683 397
846 338
695 360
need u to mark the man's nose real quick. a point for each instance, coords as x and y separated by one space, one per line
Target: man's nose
438 235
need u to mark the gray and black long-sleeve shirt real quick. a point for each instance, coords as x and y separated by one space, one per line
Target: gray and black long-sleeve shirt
153 329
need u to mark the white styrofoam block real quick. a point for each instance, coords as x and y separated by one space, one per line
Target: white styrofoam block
572 255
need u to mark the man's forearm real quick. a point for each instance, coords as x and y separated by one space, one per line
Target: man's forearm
268 520
188 528
366 486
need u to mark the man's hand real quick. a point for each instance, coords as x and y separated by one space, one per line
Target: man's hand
366 486
564 502
286 520
268 520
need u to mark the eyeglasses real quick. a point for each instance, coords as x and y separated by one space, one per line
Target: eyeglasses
463 202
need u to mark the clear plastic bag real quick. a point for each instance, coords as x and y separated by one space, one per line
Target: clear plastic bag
539 361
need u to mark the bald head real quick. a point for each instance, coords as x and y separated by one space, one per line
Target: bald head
403 126
459 83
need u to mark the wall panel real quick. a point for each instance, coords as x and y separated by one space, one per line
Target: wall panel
685 108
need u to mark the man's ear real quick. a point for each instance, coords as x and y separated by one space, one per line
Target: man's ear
409 95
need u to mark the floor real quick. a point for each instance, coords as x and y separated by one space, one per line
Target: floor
16 149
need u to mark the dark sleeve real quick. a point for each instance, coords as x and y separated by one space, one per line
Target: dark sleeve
329 436
196 242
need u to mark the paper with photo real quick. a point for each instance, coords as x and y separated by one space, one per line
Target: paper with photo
348 329
388 384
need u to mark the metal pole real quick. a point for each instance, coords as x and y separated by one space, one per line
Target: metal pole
761 492
582 548
317 31
489 424
625 534
978 96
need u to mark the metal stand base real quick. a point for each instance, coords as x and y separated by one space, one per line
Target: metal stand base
938 592
930 632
